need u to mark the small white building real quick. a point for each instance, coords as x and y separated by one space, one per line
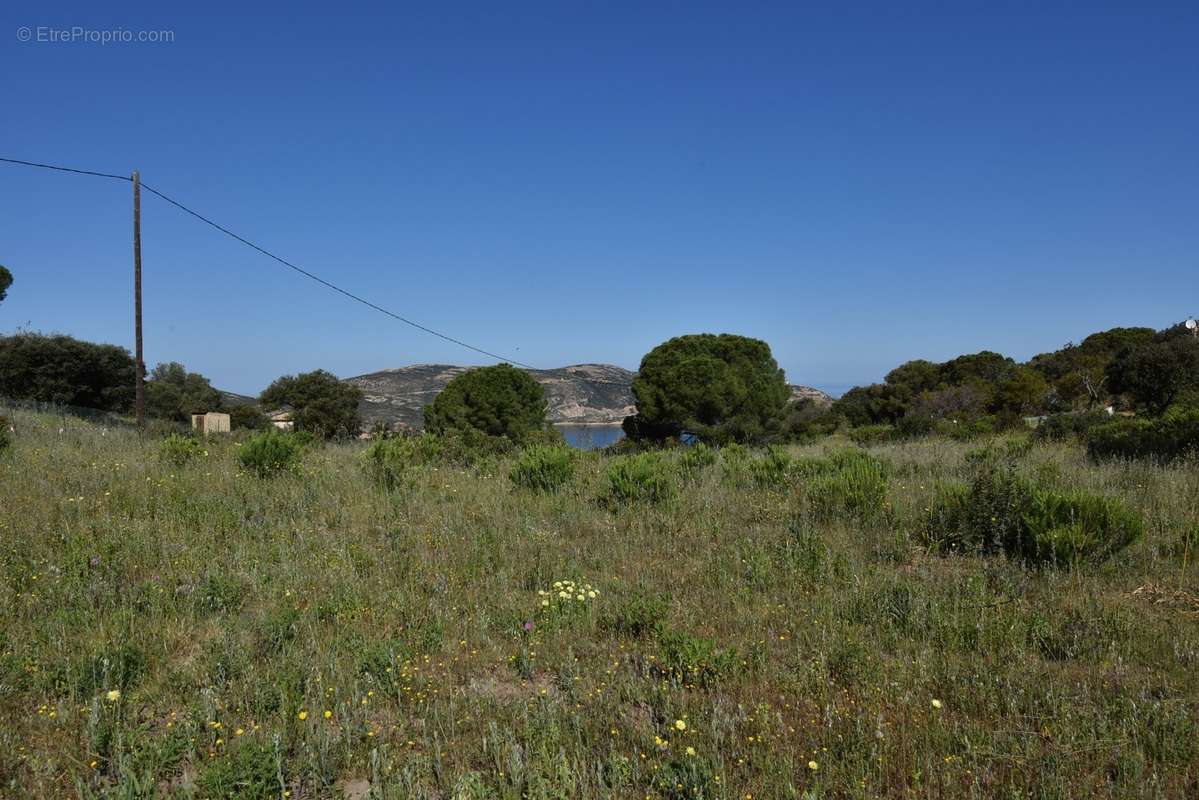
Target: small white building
281 419
211 422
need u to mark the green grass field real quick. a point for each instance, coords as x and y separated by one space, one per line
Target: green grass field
192 631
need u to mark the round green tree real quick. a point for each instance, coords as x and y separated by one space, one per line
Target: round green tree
499 401
720 388
320 403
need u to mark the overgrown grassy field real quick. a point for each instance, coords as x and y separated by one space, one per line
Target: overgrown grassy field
195 631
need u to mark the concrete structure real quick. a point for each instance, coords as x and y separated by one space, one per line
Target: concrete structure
281 419
212 422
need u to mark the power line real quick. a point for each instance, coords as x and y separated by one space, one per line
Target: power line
279 259
67 169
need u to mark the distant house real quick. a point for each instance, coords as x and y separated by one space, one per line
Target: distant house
211 422
281 419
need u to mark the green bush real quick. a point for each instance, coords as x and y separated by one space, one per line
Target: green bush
1063 427
695 458
686 657
772 469
641 478
544 468
849 482
270 452
1173 435
867 435
390 460
179 450
1001 511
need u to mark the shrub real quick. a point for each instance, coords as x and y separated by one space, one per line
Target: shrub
544 468
868 435
1173 435
641 478
179 450
1001 511
772 469
695 458
389 460
269 453
696 659
1062 427
847 482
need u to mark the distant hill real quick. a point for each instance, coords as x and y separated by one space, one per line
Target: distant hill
583 393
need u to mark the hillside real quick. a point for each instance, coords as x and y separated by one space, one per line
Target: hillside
583 393
593 394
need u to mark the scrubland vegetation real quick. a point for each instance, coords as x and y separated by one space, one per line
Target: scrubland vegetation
279 617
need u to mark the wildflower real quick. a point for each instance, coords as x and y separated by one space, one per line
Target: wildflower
529 625
113 695
691 751
303 715
812 765
239 732
936 703
328 714
679 725
563 595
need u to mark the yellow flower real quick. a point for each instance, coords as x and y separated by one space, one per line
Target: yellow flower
691 751
328 714
113 695
303 715
936 703
563 595
812 765
239 732
679 725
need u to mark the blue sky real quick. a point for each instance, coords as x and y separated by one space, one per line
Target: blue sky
858 184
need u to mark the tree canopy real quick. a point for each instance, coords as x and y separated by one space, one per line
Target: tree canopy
1156 373
61 369
497 401
5 281
720 388
320 403
174 393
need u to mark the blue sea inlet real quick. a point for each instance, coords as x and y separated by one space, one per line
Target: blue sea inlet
591 437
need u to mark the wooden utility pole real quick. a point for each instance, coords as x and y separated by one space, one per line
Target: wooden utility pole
139 385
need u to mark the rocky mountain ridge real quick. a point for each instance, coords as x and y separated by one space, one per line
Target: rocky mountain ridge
591 394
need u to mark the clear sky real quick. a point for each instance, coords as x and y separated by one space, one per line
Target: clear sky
858 184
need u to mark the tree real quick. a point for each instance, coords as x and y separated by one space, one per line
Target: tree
498 401
61 369
1157 373
1077 372
872 405
1022 392
720 388
174 393
320 403
5 281
247 416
